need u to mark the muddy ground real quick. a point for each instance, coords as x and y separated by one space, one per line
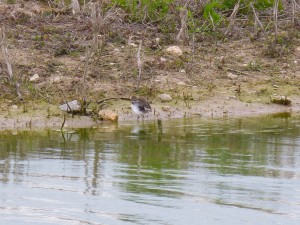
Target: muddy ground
235 76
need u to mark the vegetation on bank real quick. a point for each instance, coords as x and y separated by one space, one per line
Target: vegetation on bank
91 32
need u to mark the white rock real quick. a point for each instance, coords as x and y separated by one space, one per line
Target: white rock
34 78
232 76
181 83
174 50
56 79
73 105
162 59
133 45
165 97
14 107
182 71
166 108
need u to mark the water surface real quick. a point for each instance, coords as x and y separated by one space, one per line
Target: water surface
191 171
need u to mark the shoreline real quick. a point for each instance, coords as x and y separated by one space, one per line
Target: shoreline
214 107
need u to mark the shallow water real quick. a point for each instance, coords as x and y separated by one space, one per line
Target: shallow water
191 171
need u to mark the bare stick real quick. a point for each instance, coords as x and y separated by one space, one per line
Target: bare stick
293 10
108 99
256 17
5 54
275 13
75 7
63 123
140 64
83 104
183 33
232 17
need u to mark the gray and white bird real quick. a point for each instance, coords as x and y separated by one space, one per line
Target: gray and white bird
140 106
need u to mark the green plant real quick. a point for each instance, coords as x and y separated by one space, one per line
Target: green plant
145 10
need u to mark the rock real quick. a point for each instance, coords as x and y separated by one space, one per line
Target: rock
281 100
108 115
232 76
174 50
73 105
182 71
165 97
14 107
181 83
56 79
162 59
34 78
166 108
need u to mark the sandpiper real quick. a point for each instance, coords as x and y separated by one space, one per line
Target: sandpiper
140 105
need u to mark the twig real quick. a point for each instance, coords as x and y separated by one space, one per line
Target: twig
256 17
5 54
75 7
238 71
8 63
107 99
66 102
140 64
232 17
183 32
275 14
63 123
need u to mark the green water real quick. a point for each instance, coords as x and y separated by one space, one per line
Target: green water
192 171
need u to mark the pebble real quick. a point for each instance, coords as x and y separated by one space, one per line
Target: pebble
165 97
174 50
34 78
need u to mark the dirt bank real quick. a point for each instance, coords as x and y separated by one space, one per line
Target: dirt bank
230 76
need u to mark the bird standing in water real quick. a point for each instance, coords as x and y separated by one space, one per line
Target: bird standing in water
140 106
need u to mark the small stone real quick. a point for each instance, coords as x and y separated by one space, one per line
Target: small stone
181 83
71 106
34 78
232 76
14 107
182 71
295 62
56 79
166 108
174 50
106 114
162 59
133 45
165 97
